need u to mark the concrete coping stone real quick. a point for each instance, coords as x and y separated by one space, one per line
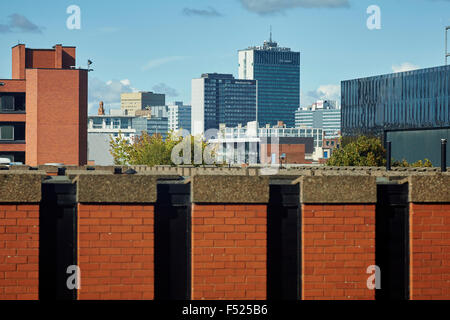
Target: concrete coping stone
338 189
429 188
21 186
116 188
229 189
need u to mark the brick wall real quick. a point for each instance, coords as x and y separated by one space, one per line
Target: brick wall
338 244
19 252
229 251
430 251
116 249
56 116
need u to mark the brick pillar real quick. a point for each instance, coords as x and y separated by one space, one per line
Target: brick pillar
19 235
229 237
429 237
116 236
338 236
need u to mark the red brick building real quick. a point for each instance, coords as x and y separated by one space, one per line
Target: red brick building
294 149
43 108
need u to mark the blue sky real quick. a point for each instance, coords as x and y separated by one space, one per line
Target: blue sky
162 45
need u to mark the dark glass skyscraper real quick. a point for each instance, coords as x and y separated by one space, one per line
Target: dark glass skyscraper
220 98
277 71
405 100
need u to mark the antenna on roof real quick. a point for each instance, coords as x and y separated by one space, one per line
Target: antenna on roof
270 39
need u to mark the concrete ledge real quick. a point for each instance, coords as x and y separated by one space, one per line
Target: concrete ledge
21 187
338 189
119 188
426 188
229 189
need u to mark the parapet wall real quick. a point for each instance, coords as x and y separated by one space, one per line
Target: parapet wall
308 233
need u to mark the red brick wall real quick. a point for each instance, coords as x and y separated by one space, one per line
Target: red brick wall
115 251
39 58
19 252
55 117
338 244
295 153
13 86
18 61
229 251
429 251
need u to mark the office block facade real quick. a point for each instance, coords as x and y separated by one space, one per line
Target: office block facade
406 100
131 102
179 117
151 125
43 108
277 71
327 119
222 99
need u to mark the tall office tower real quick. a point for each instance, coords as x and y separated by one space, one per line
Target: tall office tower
179 116
222 99
277 70
133 101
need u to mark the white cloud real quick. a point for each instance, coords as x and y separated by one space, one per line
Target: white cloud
160 61
273 6
210 12
19 23
326 91
108 92
323 92
164 88
406 66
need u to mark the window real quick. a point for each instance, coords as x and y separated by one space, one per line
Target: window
7 103
98 123
12 102
6 133
116 123
124 124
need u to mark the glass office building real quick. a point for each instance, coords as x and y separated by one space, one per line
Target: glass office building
222 99
327 119
179 117
405 100
277 71
151 125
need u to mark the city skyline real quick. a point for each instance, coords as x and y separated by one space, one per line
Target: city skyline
192 38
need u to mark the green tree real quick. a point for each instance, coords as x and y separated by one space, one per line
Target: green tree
418 164
120 149
363 151
150 150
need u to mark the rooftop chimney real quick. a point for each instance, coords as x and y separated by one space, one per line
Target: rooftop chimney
101 110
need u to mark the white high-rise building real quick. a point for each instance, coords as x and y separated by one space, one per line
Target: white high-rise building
179 116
